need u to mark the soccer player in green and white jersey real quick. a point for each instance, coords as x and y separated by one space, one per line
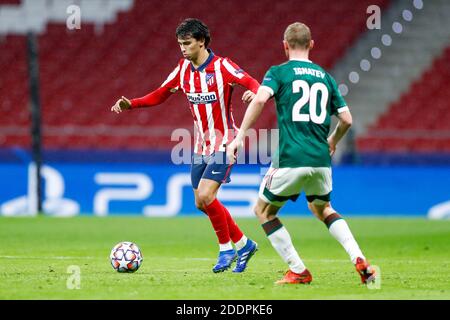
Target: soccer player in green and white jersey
306 97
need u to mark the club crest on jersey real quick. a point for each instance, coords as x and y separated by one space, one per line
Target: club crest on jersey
202 98
210 79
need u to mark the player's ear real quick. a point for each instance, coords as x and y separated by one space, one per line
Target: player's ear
311 44
286 48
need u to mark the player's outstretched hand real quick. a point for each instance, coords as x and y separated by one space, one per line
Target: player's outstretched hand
232 149
121 104
248 96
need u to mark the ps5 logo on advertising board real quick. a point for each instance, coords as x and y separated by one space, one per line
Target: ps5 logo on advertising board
54 201
102 192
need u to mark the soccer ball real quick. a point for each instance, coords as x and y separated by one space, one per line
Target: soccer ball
126 257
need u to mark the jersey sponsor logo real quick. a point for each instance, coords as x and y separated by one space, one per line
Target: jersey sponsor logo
210 79
238 71
202 98
267 79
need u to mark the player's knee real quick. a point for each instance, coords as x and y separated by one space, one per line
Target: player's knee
205 197
258 211
259 208
316 210
312 208
320 210
262 212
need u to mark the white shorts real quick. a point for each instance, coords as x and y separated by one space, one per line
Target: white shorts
282 184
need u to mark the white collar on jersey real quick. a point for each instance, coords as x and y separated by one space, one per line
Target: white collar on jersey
305 60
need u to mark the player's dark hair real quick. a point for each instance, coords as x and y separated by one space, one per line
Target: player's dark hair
194 28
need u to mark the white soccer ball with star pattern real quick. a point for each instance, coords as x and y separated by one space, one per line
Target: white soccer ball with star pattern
126 257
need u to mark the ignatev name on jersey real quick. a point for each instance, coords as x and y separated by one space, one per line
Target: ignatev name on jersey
202 98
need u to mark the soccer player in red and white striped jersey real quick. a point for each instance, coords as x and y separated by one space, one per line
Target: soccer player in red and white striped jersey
207 80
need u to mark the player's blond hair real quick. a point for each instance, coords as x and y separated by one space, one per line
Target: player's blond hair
298 36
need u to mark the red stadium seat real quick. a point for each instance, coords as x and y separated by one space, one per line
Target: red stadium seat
420 116
83 73
10 2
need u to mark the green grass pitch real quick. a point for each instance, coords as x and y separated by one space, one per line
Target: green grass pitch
35 254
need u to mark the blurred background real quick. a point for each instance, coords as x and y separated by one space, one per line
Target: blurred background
395 79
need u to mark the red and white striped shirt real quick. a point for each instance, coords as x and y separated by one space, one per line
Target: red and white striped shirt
208 90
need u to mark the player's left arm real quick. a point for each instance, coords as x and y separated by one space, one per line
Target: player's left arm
340 109
344 124
236 75
251 115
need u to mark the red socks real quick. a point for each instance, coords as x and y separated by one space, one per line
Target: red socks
218 220
222 222
235 233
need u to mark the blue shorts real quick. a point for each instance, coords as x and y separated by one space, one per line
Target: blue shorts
212 167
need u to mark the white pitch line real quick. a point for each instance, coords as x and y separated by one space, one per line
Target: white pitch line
214 259
318 260
46 257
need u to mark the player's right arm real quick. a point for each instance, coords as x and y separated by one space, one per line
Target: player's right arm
154 98
251 115
266 91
